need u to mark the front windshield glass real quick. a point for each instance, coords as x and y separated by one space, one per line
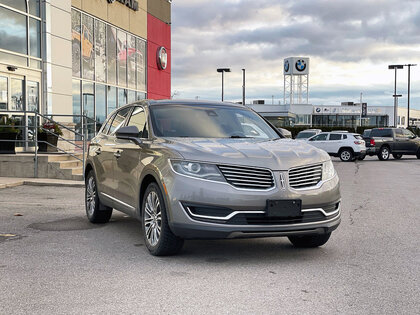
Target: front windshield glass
305 135
208 122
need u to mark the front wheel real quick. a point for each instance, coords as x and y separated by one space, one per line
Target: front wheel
309 241
397 156
346 155
384 153
158 237
95 210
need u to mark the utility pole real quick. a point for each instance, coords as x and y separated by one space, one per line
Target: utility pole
361 108
408 92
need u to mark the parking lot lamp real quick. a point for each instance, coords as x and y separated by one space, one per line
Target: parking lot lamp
395 67
408 92
223 70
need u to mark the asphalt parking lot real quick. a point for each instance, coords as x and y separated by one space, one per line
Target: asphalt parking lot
52 261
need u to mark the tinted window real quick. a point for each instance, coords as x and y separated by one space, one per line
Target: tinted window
344 136
138 119
320 137
381 133
335 136
399 133
118 120
366 133
358 137
209 122
408 133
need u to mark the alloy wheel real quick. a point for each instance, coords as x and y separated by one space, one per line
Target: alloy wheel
345 155
385 153
91 195
152 218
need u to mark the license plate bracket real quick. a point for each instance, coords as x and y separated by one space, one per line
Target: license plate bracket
284 208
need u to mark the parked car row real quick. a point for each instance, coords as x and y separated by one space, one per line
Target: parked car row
382 142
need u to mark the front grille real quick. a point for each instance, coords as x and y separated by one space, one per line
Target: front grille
247 177
305 176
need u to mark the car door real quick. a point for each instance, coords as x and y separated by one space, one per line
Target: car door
101 150
411 144
401 142
128 163
319 141
333 143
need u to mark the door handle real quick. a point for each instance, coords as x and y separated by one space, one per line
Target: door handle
117 154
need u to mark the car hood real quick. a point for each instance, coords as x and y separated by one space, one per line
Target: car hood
280 154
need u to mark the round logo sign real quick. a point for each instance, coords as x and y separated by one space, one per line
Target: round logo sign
318 110
286 66
162 58
300 65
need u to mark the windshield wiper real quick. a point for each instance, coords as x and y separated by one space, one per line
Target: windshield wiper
240 137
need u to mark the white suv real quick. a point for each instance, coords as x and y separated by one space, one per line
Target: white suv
347 146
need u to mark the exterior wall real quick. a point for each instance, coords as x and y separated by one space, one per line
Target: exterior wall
402 117
57 61
158 81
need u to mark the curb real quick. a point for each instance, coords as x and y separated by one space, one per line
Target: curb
29 182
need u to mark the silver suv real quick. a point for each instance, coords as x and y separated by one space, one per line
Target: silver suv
204 170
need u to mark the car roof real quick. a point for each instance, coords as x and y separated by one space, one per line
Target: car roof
192 103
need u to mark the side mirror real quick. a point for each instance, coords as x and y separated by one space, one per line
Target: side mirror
128 133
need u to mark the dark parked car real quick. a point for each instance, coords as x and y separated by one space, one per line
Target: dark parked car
396 141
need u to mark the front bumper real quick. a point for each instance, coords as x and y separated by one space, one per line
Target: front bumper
240 213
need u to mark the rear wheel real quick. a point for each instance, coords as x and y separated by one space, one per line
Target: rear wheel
346 155
384 153
158 237
95 210
308 241
397 156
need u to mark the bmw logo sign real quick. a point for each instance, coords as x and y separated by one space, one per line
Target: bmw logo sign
318 110
300 65
286 66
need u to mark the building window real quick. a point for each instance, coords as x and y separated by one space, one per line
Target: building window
122 57
88 60
3 93
13 38
76 45
100 106
131 61
141 64
100 51
112 99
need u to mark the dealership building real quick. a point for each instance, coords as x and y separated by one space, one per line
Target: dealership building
73 57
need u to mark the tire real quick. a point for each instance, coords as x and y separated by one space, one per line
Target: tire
309 241
346 155
397 156
95 210
384 153
158 237
361 157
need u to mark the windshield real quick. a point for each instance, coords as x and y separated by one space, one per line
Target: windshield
305 135
208 122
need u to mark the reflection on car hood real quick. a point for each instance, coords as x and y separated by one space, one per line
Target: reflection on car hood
280 154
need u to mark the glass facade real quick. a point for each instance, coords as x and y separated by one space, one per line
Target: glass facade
109 68
20 33
348 121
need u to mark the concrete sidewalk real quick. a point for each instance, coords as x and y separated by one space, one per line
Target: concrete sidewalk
7 182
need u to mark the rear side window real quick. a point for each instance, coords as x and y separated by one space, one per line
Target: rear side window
358 137
118 120
381 133
335 136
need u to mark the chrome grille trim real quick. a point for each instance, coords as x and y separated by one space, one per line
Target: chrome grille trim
305 176
247 177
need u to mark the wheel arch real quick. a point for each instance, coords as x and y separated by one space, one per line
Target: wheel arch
344 148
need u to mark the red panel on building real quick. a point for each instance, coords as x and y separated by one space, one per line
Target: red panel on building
158 81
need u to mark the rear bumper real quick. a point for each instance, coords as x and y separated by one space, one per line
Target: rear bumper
361 153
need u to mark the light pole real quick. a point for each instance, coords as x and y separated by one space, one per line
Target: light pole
243 87
408 92
223 70
395 67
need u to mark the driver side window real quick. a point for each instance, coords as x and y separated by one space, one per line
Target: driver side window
320 137
118 121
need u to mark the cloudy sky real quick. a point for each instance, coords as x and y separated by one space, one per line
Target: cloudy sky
350 44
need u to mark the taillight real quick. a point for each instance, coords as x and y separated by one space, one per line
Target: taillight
358 142
372 142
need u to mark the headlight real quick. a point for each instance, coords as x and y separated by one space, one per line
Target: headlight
198 170
328 170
